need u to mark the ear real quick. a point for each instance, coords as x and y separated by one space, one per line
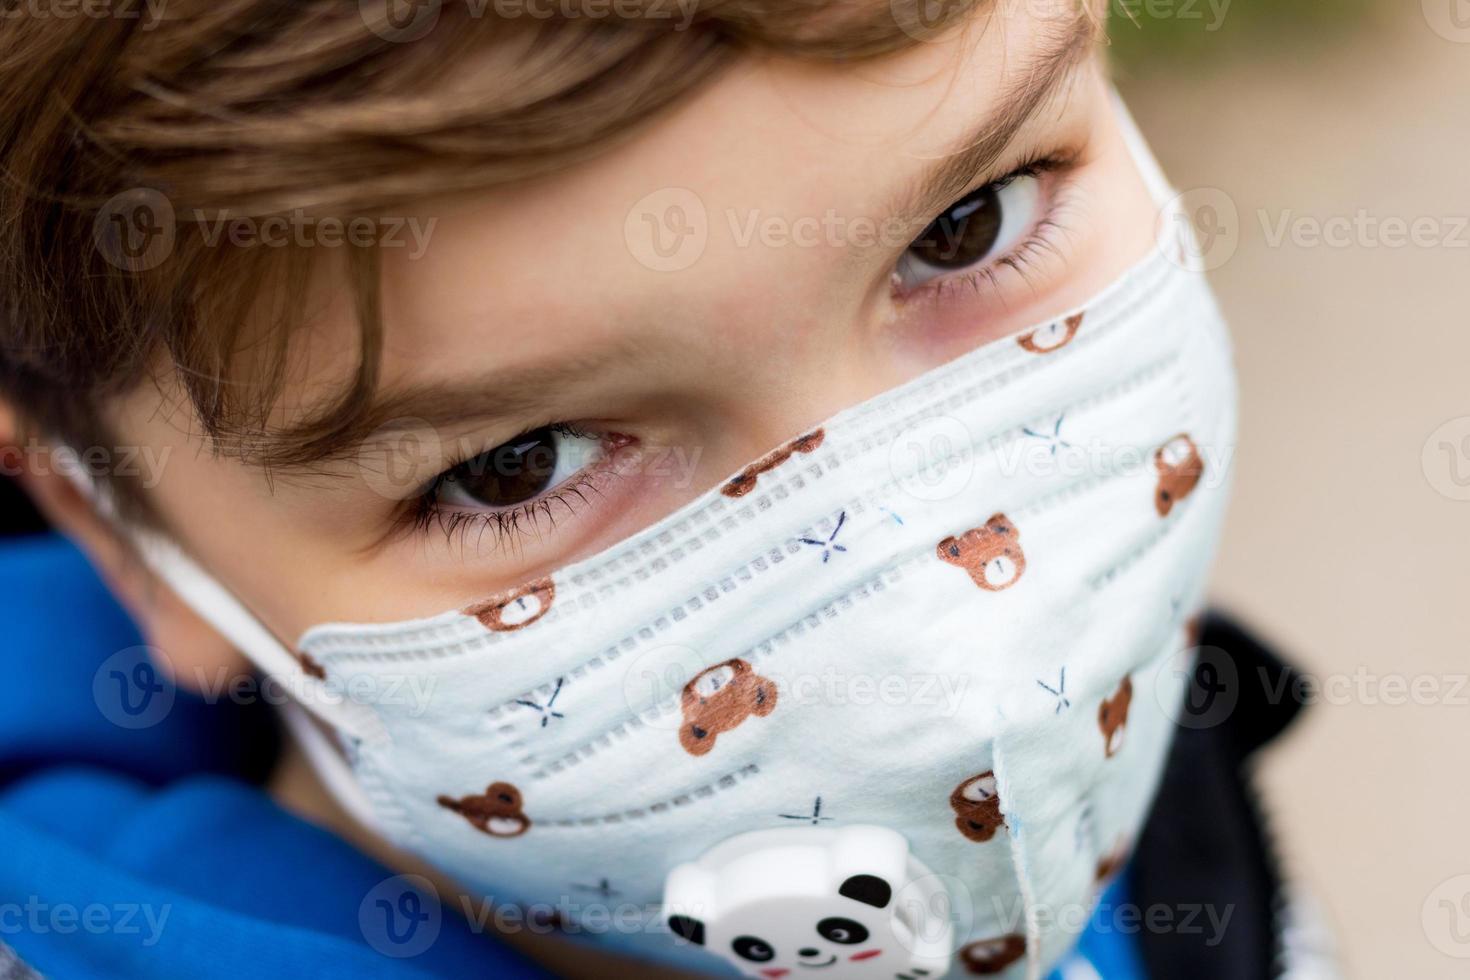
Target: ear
868 889
687 928
949 550
195 654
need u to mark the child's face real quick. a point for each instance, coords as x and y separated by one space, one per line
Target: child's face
644 369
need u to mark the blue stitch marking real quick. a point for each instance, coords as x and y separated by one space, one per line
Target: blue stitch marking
1060 691
830 545
546 713
1054 437
815 817
896 519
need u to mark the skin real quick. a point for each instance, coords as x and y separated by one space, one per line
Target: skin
721 361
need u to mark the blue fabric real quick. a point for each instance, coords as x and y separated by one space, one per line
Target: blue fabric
136 842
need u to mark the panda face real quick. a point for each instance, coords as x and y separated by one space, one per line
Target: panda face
838 943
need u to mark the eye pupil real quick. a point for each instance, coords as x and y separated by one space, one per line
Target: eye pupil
511 473
964 234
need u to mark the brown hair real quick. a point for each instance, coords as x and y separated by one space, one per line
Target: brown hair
260 107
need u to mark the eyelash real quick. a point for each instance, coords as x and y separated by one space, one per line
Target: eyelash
1039 239
510 525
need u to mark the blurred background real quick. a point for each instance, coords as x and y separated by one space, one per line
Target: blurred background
1326 147
1327 128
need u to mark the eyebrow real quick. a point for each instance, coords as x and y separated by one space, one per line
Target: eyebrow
955 173
521 391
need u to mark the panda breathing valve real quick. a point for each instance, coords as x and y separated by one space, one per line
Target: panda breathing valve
849 900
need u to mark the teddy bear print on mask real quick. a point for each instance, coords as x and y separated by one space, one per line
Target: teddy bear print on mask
516 609
1112 717
985 957
496 812
719 699
1180 468
991 554
744 482
977 807
1052 337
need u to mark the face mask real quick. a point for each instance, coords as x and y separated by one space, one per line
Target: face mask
884 702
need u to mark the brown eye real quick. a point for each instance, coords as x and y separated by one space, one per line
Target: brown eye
962 235
517 471
979 228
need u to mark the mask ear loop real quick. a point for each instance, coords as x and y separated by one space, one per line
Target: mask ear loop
312 698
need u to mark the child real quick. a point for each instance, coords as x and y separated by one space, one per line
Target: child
728 482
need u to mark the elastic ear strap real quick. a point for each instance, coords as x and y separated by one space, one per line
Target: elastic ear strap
218 607
1148 165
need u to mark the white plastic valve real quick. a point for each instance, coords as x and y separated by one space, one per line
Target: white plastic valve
836 902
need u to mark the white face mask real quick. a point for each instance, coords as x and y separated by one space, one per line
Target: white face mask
924 635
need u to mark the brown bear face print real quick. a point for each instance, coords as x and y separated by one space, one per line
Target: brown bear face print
496 812
986 957
1112 717
976 807
1180 468
991 554
516 609
1054 336
719 699
744 482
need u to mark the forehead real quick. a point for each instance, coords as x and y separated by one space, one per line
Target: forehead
771 140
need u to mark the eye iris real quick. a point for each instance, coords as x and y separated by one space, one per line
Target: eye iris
511 473
962 235
751 948
844 931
